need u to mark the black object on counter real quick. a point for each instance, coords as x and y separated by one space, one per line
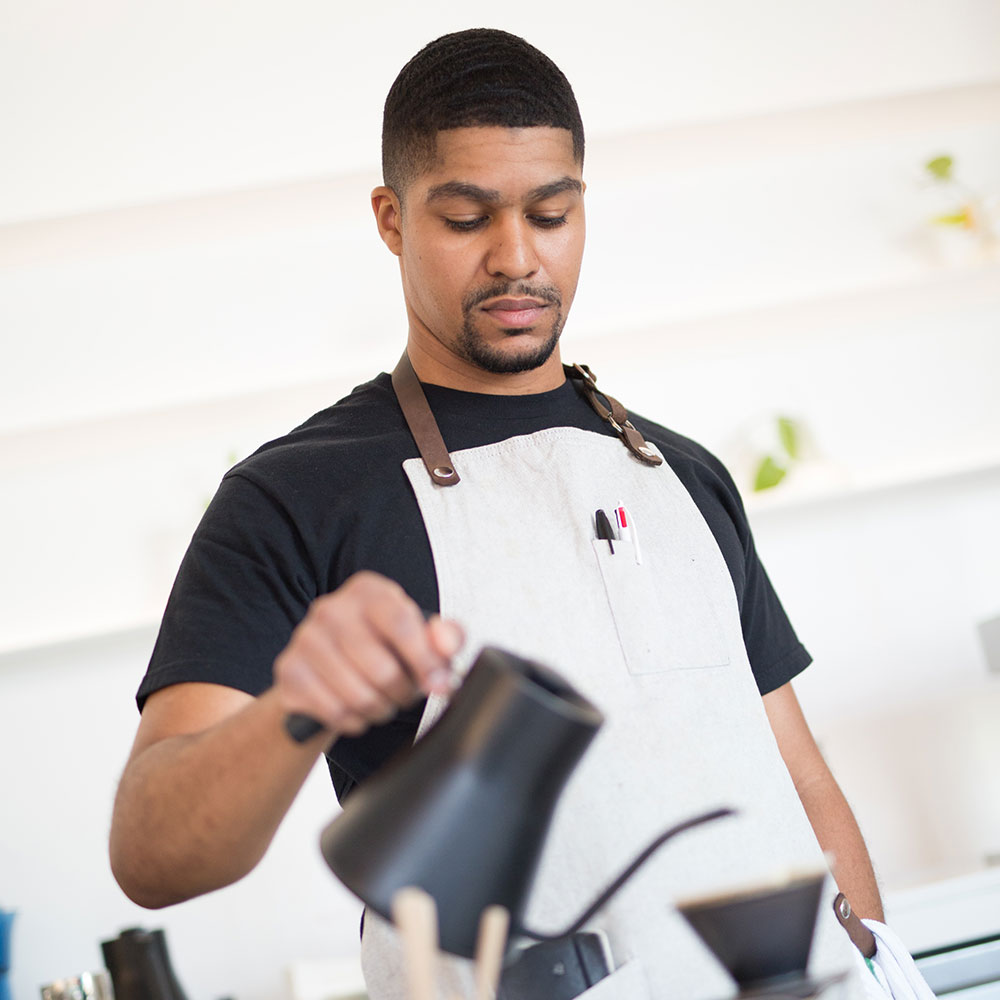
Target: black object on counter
762 935
555 970
463 814
140 966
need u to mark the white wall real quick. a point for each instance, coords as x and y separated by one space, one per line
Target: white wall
188 267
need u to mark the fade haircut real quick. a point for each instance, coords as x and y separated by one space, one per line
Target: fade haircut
478 77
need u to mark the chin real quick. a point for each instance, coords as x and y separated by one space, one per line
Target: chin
508 362
509 357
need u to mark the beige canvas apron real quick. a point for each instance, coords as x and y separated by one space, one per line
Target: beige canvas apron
658 646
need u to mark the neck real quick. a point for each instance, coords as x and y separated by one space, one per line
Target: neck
435 364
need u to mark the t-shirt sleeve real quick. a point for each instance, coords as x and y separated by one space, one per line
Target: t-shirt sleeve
776 655
242 587
775 652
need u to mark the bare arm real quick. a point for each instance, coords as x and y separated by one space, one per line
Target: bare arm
213 772
830 815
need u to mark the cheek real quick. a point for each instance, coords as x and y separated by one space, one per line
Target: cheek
433 282
566 260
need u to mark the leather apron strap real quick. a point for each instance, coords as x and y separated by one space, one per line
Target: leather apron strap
614 413
860 936
422 424
434 452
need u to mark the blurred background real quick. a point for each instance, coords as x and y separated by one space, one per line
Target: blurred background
793 257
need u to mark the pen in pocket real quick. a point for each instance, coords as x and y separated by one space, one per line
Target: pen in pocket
604 529
626 530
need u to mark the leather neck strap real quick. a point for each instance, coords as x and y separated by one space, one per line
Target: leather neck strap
434 452
422 424
614 413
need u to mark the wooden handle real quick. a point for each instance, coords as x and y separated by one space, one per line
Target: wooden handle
490 947
415 915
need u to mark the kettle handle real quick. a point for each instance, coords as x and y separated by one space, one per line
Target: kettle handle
611 889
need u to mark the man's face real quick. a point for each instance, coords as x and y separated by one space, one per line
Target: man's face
491 243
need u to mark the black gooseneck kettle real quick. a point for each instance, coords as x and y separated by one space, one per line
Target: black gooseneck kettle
464 812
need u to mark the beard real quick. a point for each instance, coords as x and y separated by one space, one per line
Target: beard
473 346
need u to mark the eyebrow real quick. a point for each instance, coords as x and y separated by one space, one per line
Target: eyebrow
490 196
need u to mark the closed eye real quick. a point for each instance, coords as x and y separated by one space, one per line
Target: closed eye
465 225
470 225
548 221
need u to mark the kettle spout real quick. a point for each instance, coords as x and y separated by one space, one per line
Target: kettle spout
617 883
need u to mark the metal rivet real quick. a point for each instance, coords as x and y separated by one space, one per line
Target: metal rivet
444 471
845 908
647 452
559 969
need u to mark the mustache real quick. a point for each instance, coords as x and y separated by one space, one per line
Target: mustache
513 290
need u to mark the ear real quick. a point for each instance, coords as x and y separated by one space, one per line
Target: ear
388 218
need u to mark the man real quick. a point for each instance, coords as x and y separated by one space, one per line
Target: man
303 587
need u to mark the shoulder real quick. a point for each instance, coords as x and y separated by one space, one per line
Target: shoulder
352 436
706 478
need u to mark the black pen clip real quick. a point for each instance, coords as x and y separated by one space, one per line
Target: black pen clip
604 529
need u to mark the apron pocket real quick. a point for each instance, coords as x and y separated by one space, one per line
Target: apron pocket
662 614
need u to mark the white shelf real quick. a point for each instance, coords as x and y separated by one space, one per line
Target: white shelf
940 912
67 645
270 411
974 282
744 139
802 489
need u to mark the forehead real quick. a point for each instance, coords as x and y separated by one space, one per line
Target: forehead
510 160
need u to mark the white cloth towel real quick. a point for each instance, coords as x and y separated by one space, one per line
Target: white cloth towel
893 972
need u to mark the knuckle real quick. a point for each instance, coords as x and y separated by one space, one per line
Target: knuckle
307 651
400 624
368 581
370 704
324 611
382 589
288 669
385 672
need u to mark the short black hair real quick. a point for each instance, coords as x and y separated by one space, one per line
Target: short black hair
477 77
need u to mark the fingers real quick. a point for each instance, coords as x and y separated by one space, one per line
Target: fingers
362 653
446 636
401 627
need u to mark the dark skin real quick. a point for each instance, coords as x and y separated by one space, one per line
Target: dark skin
490 241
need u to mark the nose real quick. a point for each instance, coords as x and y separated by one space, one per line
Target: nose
512 253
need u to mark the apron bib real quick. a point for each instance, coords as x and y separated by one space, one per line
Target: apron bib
657 645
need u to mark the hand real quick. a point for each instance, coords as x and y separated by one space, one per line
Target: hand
363 652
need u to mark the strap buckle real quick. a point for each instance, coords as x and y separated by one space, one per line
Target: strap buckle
614 413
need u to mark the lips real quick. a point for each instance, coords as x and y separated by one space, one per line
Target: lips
509 312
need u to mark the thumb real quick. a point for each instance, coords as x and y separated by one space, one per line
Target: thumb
447 637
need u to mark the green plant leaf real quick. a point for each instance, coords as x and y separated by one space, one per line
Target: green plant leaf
940 167
769 474
961 218
788 432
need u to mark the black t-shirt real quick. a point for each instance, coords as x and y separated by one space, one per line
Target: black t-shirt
306 511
